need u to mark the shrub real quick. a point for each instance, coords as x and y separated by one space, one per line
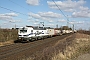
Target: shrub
8 34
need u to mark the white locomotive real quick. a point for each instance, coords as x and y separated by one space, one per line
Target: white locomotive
34 33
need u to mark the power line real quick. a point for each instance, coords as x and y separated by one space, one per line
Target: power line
13 11
60 10
19 5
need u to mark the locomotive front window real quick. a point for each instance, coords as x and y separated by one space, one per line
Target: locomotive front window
32 31
23 31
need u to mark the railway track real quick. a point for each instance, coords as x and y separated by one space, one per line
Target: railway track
20 50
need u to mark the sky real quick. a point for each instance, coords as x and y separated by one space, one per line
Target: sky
53 13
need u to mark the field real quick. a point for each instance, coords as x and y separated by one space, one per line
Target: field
65 47
7 36
71 48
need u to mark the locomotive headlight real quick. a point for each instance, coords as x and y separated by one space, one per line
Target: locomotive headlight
19 38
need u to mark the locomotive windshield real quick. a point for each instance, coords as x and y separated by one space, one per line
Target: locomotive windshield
23 30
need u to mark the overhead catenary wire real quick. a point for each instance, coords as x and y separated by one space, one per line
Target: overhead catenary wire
13 10
64 16
60 10
20 5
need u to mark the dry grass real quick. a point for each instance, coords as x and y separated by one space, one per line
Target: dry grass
78 47
7 36
50 51
6 43
63 50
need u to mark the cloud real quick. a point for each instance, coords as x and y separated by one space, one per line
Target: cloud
14 21
10 14
7 16
84 12
2 17
32 2
52 25
61 20
50 14
67 5
37 16
35 23
36 20
78 22
77 8
51 21
47 16
82 8
33 20
81 14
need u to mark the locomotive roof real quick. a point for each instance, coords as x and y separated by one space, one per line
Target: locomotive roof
39 28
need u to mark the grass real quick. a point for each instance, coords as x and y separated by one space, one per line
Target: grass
83 47
66 50
8 34
50 52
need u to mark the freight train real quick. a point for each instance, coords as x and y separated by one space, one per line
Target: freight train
30 33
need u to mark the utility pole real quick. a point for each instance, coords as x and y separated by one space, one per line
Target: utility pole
42 24
57 26
67 21
15 26
73 27
38 25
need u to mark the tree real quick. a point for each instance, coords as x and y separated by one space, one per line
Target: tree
65 28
